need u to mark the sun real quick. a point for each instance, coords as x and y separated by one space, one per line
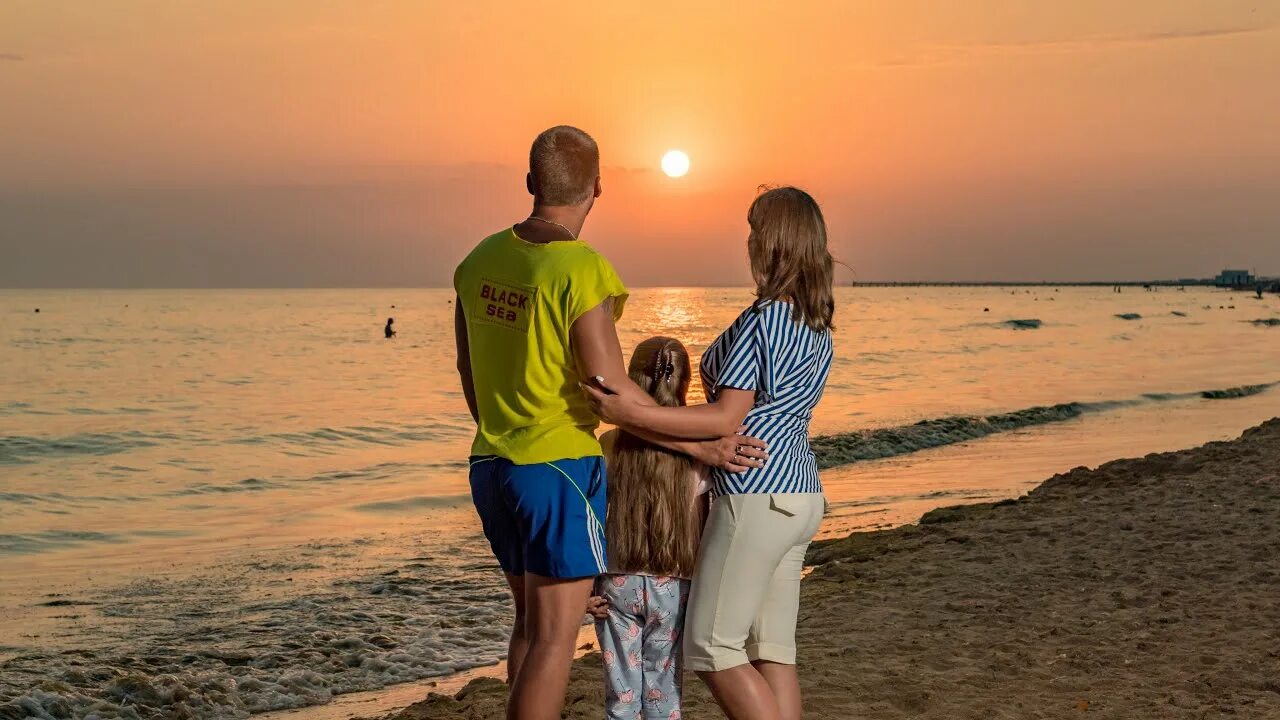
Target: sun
675 163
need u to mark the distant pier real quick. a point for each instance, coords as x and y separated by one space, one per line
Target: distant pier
996 283
1267 284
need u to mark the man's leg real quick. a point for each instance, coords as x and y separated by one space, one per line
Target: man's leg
519 644
553 615
502 529
559 506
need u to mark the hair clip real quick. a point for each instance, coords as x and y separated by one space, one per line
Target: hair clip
663 367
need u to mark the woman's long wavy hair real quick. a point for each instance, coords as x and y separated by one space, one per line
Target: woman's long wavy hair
789 255
651 526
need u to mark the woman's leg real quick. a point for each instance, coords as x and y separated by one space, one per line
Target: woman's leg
620 637
744 542
785 684
742 693
771 644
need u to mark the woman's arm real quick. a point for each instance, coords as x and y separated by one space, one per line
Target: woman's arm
692 422
735 453
594 340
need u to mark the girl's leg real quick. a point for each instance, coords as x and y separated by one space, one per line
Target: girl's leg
621 638
663 665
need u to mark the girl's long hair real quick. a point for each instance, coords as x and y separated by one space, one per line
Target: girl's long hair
789 256
651 525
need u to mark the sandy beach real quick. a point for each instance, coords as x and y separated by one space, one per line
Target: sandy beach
1145 588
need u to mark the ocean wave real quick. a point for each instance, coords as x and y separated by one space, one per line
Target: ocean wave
1236 392
418 502
845 448
861 445
1023 324
23 449
246 485
219 654
57 498
58 502
15 544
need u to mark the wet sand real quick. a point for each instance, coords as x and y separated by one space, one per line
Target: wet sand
1147 588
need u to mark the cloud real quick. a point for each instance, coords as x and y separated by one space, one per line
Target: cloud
1197 34
946 54
12 57
1106 41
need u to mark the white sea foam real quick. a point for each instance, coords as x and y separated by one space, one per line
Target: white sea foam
212 653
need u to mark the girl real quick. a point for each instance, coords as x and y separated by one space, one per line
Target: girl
767 370
652 528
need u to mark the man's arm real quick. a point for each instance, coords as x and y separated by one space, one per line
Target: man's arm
464 358
594 341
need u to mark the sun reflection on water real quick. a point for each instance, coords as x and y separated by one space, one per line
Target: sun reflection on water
676 312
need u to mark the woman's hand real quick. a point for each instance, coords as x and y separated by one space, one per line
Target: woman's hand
608 404
733 453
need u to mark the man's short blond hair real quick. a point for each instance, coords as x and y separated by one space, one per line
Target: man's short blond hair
565 163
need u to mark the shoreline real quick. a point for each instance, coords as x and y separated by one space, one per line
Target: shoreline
1145 588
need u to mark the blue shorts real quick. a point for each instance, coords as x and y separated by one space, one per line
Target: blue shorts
547 519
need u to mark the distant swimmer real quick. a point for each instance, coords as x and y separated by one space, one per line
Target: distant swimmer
389 331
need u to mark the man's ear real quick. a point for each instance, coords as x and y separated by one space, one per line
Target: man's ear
528 184
599 189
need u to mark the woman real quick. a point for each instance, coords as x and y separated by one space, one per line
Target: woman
767 371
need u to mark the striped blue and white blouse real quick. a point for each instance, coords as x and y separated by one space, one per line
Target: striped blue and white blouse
786 364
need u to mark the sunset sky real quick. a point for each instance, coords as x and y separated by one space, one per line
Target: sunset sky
313 143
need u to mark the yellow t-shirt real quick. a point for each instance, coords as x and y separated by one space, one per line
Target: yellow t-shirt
520 299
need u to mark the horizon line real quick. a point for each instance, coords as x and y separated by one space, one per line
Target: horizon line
1207 282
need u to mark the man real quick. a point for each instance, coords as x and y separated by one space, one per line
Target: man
535 317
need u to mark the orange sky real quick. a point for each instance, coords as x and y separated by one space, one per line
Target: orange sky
299 142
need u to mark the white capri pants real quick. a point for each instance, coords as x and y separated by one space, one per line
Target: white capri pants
746 586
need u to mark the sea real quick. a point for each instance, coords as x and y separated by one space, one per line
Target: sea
217 503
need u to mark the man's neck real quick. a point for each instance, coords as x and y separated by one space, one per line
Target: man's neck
571 217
